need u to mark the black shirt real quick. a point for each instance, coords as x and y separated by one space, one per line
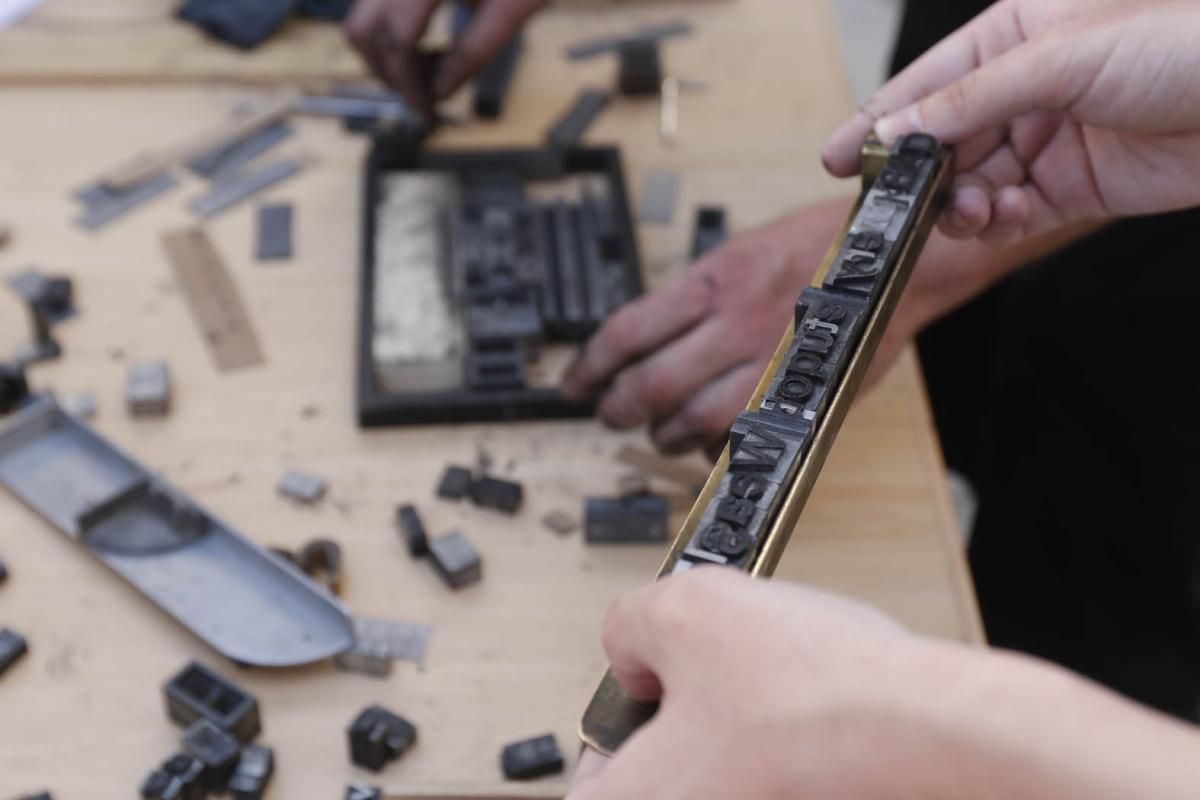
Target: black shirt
1069 396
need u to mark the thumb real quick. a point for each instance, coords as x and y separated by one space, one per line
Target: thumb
1045 74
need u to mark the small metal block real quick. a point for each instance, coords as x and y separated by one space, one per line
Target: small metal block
321 560
214 747
255 767
658 198
148 390
197 692
560 522
532 758
456 560
302 487
357 791
82 406
12 647
498 494
275 232
641 68
160 785
639 519
365 658
3 573
13 387
455 483
42 796
413 530
401 641
710 231
192 775
378 737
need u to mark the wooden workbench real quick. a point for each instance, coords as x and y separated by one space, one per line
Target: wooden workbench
519 654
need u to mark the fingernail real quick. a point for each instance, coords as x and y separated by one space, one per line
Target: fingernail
892 127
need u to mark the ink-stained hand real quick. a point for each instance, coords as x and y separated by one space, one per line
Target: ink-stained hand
1062 110
686 357
776 692
387 33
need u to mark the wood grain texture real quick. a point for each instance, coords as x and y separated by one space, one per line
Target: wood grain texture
519 654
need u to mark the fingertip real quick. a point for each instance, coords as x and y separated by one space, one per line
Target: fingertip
891 128
970 211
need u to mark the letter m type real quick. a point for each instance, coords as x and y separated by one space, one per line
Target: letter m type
755 449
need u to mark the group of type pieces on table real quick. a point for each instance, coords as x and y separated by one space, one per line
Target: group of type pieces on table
218 754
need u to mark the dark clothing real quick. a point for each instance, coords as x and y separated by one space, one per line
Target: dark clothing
1067 395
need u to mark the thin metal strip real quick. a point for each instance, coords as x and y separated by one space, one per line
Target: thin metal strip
231 190
213 299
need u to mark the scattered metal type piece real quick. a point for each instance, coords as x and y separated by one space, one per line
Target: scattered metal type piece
365 658
608 44
413 529
400 641
497 494
456 560
255 767
101 206
568 131
531 758
755 495
303 487
639 519
217 583
709 231
14 389
685 475
275 232
3 573
41 796
227 157
321 560
641 72
215 748
455 483
180 776
52 295
358 791
233 189
196 692
148 389
6 233
12 647
378 737
659 194
560 522
213 298
82 405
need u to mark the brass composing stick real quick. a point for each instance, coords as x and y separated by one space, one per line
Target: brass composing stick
753 498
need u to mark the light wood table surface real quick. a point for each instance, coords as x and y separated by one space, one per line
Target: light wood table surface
519 654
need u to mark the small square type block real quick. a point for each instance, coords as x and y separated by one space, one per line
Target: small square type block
302 487
455 483
148 389
532 758
456 560
12 647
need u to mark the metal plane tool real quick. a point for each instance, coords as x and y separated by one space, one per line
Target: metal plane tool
758 488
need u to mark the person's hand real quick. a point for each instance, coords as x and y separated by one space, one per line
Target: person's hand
387 33
686 357
1062 110
775 692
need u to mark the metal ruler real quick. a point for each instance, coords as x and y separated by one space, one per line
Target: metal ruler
213 298
777 447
